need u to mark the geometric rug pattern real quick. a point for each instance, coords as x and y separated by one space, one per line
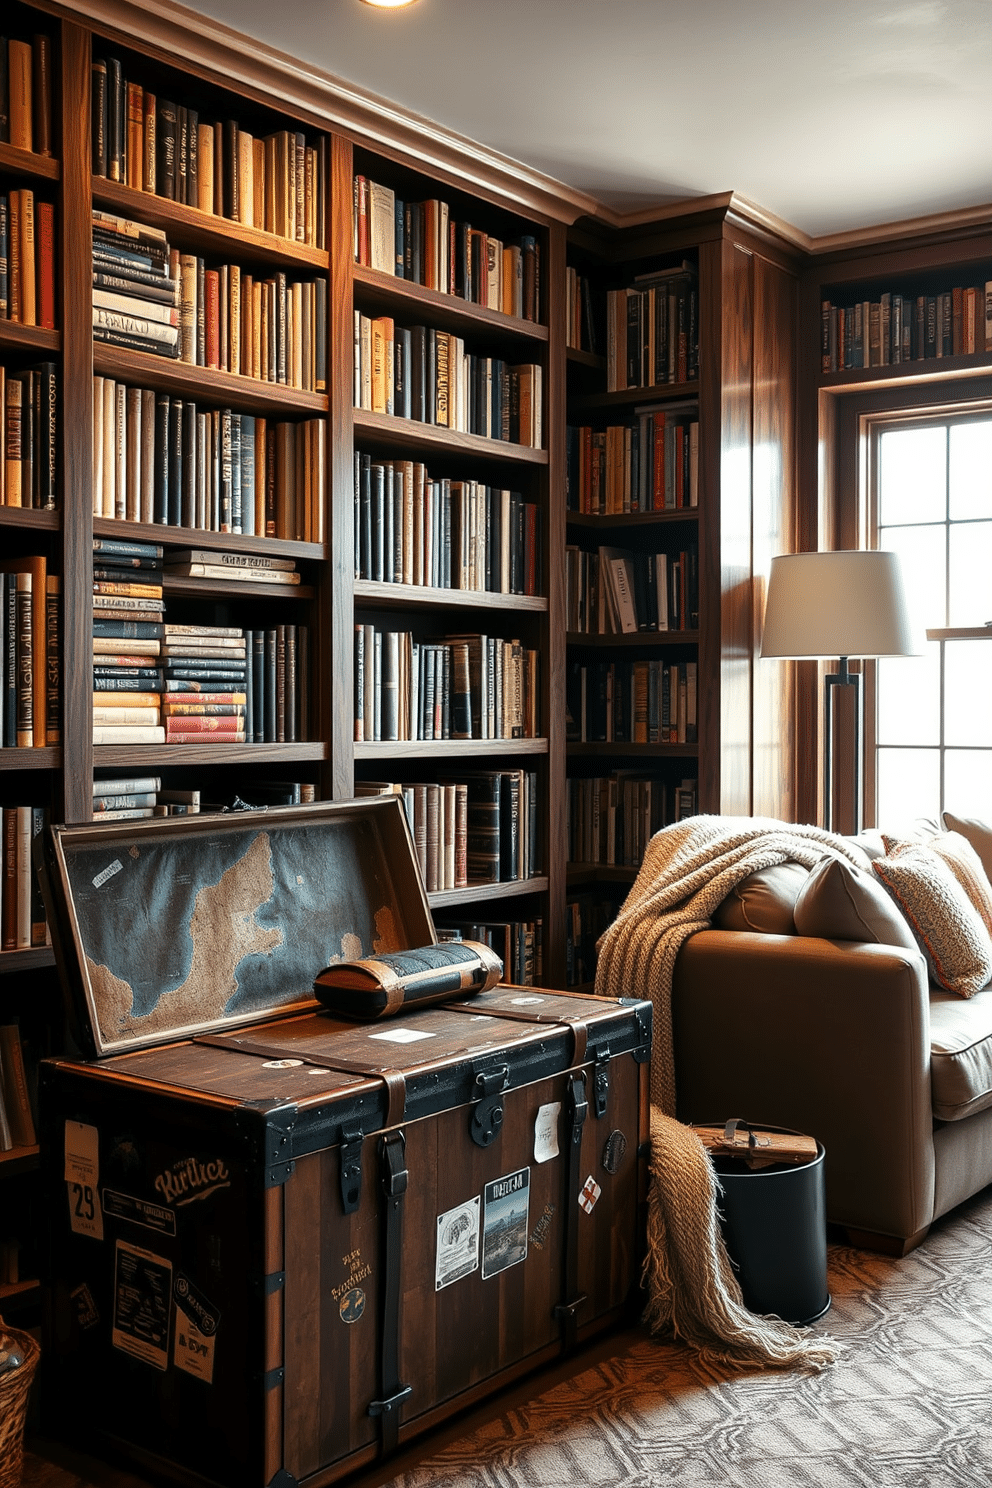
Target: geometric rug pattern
908 1404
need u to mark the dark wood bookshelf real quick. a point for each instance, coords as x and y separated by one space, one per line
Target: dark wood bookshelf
201 537
29 959
18 1160
406 596
633 639
614 521
474 892
17 337
589 359
580 875
200 588
19 162
449 749
627 398
379 293
44 757
386 431
232 389
920 372
27 516
205 232
645 752
142 756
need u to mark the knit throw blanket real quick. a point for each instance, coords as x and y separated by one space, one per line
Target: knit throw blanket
688 870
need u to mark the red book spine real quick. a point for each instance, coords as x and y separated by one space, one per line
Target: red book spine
530 548
211 283
46 265
204 724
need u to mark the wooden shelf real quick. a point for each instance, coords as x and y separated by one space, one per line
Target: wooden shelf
35 958
204 231
142 756
27 163
18 1160
489 749
198 537
473 893
17 337
633 639
589 359
28 516
45 757
199 588
405 596
402 298
389 432
906 374
599 521
663 392
645 752
203 384
580 875
15 1294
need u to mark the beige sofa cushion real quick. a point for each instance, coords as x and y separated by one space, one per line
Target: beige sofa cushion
960 1054
763 901
947 927
840 902
977 833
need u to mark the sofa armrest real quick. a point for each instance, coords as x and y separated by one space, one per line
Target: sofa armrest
830 1038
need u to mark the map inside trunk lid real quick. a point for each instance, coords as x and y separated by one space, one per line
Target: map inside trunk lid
183 930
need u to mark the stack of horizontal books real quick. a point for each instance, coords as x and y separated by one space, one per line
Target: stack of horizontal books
205 684
122 797
128 611
135 286
257 568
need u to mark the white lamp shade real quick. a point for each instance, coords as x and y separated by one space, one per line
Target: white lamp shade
838 604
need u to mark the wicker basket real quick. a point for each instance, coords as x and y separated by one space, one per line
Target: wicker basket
15 1386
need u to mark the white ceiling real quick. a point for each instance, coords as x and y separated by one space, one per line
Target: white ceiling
835 115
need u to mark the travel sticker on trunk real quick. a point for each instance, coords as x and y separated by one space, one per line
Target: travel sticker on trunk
196 1325
504 1232
142 1304
457 1253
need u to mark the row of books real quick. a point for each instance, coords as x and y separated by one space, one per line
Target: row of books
159 682
616 591
906 328
17 1121
29 646
649 465
580 322
276 183
632 702
121 797
29 438
460 687
587 915
611 818
421 242
159 458
22 913
150 297
449 534
427 375
519 944
27 259
652 330
26 93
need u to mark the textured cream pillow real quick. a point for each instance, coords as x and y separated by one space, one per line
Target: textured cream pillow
977 833
763 901
947 927
964 862
840 902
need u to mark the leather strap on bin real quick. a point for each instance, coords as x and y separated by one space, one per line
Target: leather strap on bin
579 1026
393 1079
567 1310
392 1150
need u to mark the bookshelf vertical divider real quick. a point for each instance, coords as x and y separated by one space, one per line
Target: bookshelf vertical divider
555 620
336 674
75 268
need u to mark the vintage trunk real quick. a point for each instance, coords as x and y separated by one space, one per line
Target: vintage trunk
282 1243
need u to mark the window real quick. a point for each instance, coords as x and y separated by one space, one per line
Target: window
930 488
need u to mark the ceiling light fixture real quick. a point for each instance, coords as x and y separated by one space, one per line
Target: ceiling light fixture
387 4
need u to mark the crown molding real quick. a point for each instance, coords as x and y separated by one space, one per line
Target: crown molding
177 31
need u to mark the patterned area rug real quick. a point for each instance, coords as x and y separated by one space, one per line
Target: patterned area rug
906 1406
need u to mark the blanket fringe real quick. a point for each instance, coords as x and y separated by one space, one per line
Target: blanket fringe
693 1293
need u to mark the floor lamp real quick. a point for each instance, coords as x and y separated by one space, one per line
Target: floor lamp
843 604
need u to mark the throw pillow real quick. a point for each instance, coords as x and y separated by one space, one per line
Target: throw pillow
977 833
763 901
964 862
840 902
947 927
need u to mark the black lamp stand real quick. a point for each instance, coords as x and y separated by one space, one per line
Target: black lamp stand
843 678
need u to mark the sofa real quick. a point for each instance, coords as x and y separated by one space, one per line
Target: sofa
850 1026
